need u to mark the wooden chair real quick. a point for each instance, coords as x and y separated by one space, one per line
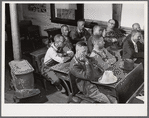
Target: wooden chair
75 93
44 79
38 73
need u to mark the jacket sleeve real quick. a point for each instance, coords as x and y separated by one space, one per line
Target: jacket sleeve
111 57
127 51
139 55
90 45
81 73
87 34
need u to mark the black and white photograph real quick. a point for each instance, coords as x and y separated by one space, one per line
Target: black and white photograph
74 58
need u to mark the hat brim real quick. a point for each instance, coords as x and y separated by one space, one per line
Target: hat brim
112 82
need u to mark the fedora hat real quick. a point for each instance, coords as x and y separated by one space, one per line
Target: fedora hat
107 78
128 65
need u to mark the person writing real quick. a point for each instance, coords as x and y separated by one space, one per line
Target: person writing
54 55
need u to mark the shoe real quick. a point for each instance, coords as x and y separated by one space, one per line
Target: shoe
60 88
76 99
63 90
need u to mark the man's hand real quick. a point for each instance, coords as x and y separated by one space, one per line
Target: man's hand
70 53
86 60
66 49
113 40
65 54
60 54
118 56
112 61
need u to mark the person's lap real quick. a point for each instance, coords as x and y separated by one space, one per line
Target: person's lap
99 95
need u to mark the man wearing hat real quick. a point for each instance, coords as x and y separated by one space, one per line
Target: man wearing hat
83 67
132 49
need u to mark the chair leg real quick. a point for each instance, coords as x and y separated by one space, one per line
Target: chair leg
67 87
45 84
69 98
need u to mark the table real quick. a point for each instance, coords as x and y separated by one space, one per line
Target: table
126 86
36 58
129 84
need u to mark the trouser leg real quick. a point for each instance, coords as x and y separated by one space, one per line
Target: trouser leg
100 97
94 93
53 78
56 81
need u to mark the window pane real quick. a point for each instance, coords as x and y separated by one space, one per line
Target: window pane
65 11
132 13
101 12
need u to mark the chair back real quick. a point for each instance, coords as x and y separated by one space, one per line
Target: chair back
73 85
129 85
41 62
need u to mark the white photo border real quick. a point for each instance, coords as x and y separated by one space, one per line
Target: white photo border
92 110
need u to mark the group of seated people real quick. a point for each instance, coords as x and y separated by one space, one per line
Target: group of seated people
89 57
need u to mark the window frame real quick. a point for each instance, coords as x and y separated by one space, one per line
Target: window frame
79 14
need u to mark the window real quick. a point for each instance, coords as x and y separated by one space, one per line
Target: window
135 15
66 13
100 12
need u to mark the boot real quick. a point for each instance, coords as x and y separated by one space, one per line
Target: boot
60 88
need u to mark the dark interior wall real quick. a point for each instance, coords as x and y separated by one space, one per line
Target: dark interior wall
7 12
41 19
